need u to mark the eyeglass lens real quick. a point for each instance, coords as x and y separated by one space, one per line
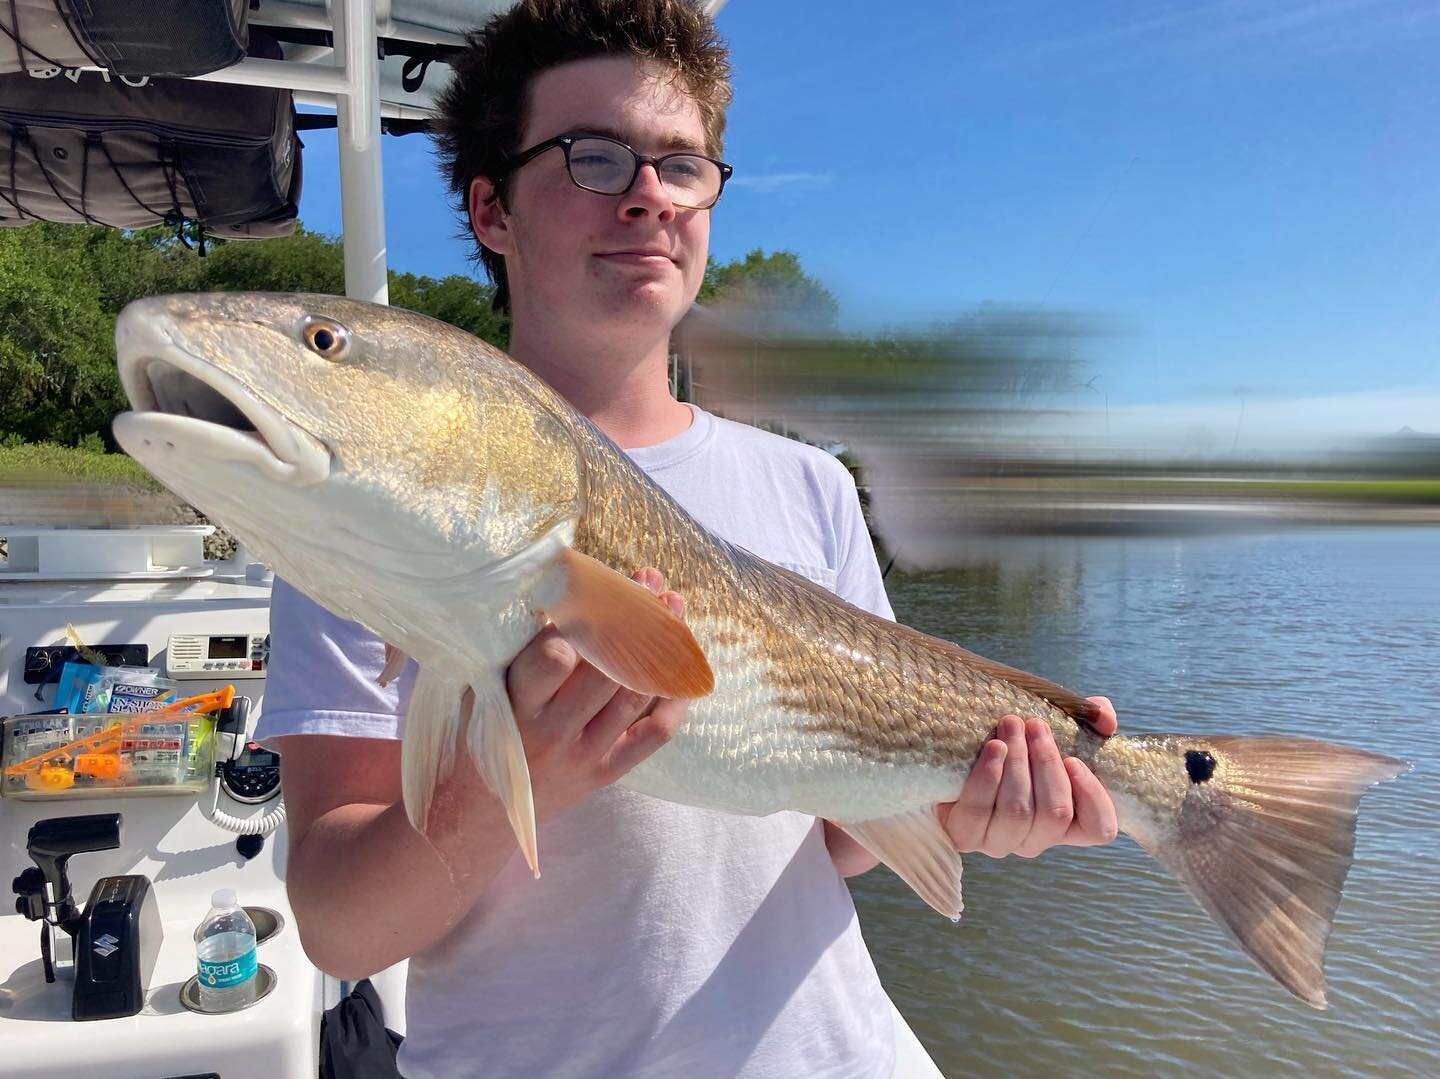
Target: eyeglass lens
608 167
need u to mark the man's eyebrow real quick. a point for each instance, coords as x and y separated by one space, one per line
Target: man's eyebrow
673 141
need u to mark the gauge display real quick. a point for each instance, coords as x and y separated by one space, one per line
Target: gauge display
229 647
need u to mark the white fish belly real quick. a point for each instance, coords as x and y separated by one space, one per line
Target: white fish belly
741 751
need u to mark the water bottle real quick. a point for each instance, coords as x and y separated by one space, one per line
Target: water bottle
225 954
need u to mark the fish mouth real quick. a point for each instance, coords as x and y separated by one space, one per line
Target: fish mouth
185 409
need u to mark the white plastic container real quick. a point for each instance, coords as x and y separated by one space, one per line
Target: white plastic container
225 955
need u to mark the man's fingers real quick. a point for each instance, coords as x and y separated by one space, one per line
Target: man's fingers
969 814
1103 722
1054 806
645 736
615 718
540 669
578 700
1014 807
1095 821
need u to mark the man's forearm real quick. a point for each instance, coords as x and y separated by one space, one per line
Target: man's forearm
369 891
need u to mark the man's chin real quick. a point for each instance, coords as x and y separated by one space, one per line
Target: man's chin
649 304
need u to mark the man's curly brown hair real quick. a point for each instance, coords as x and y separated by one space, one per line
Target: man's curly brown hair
481 112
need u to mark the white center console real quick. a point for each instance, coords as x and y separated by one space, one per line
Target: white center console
132 604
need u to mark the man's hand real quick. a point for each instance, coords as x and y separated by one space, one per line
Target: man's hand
1023 798
1020 798
581 730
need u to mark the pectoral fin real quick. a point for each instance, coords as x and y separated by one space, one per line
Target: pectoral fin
916 847
621 628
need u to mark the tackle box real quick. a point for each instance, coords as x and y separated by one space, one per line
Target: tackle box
67 755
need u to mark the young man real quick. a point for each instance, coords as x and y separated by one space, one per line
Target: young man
662 940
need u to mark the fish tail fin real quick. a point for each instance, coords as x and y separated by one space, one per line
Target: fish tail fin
1263 840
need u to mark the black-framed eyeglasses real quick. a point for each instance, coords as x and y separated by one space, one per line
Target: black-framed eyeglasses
607 166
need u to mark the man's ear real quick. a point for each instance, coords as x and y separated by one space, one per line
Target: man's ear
488 219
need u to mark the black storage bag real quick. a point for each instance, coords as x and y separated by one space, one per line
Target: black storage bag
129 37
354 1041
103 150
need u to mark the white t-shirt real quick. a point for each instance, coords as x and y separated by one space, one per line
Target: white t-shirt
663 941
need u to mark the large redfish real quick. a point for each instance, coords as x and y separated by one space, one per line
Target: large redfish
410 477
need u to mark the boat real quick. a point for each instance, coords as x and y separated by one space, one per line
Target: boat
147 596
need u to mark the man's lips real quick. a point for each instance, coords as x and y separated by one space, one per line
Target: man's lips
637 257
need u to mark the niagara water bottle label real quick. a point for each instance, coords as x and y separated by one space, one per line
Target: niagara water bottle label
228 974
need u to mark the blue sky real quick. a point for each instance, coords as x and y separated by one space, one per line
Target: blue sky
1244 196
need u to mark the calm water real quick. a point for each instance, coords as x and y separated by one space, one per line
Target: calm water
1094 961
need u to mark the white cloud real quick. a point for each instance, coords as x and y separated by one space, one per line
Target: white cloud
776 181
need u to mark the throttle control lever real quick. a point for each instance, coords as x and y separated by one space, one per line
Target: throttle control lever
44 892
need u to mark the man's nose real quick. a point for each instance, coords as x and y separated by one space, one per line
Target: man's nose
647 195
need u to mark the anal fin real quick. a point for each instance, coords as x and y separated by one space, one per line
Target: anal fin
916 847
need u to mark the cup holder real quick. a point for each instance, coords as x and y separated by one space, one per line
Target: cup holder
268 923
264 982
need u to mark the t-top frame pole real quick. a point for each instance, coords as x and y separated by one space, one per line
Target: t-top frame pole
354 81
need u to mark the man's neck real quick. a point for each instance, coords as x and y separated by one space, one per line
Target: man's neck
626 395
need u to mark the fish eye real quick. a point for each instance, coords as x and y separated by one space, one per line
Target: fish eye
327 339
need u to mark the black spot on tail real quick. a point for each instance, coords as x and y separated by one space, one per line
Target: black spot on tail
1199 764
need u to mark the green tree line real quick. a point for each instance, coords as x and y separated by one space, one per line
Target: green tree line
61 287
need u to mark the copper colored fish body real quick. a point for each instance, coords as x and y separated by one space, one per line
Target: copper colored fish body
410 477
